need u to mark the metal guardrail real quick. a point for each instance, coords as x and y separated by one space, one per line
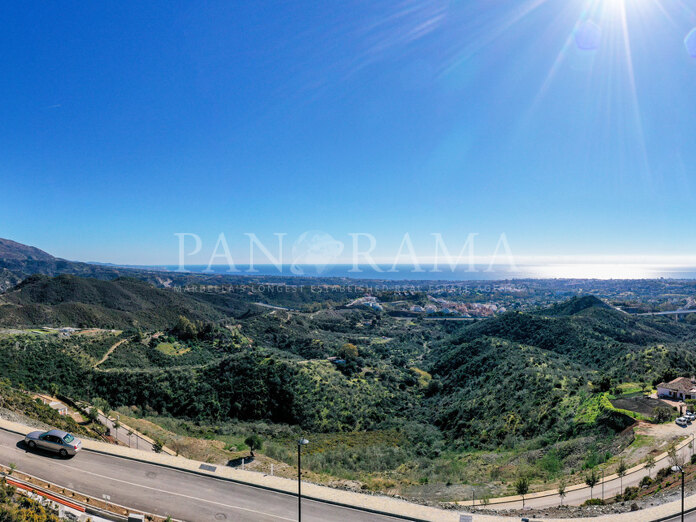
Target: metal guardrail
63 500
232 480
55 497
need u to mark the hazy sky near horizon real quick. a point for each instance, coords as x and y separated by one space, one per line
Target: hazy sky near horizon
570 125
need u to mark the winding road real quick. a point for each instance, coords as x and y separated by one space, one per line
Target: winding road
168 492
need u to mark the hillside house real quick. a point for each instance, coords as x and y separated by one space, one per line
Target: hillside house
61 408
680 388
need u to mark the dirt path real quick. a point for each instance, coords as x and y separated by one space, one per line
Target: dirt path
664 433
109 352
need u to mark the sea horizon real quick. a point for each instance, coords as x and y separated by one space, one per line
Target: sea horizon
406 272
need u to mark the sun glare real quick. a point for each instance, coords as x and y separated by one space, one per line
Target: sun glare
596 271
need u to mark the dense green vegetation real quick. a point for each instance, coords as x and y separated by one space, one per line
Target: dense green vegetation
536 372
388 398
81 302
490 389
19 402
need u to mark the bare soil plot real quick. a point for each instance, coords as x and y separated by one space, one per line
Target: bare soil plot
643 405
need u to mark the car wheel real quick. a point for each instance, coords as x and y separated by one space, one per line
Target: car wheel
32 444
63 453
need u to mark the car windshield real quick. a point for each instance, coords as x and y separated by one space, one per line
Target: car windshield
68 438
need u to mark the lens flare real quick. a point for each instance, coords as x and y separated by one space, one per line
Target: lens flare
587 36
690 43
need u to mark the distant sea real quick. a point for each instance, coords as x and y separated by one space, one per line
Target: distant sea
460 273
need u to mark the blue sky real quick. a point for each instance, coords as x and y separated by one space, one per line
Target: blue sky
124 123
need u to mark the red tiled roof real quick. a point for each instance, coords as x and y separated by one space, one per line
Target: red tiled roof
682 384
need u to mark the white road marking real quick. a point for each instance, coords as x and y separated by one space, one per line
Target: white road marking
173 492
241 484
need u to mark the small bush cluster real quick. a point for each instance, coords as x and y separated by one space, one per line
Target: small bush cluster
594 502
662 474
630 493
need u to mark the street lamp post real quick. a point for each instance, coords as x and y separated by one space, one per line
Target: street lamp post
300 443
679 468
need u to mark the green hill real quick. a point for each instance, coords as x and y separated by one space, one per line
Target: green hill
84 302
515 379
575 305
520 376
474 402
592 336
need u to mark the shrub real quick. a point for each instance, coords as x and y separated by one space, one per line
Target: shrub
254 442
661 414
664 472
594 502
630 493
594 459
550 463
645 482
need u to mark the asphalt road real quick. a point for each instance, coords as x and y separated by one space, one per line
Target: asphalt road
134 441
167 492
688 517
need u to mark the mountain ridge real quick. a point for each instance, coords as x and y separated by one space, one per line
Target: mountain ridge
68 300
18 261
12 250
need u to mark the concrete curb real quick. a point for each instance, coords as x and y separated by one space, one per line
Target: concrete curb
260 486
391 507
668 517
400 510
144 437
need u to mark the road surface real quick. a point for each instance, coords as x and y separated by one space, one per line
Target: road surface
670 312
273 307
167 492
133 441
688 517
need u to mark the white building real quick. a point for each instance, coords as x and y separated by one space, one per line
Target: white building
680 388
61 408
